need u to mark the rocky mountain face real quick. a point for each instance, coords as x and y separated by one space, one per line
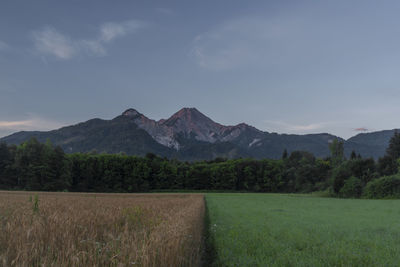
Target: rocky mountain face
188 123
190 135
155 129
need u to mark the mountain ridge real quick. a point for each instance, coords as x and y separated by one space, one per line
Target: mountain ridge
188 134
189 123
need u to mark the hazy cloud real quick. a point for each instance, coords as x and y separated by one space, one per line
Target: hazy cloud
93 47
32 123
13 124
3 45
362 129
277 41
240 42
225 47
165 10
111 30
287 127
49 41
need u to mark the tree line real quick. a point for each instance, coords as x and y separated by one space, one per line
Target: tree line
44 167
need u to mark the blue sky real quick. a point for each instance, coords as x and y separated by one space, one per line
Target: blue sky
281 66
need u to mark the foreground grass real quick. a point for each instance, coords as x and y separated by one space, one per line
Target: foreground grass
298 230
65 229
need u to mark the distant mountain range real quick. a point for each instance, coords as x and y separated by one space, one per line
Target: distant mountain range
190 135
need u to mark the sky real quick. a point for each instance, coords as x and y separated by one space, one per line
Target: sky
282 66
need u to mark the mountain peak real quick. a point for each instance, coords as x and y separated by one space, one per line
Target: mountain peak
130 112
188 116
185 110
190 109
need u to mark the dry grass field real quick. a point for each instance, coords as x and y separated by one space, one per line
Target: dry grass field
68 229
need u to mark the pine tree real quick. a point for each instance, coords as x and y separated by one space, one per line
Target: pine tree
393 150
337 152
353 155
388 164
284 154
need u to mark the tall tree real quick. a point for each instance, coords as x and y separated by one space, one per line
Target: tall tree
388 164
393 150
284 154
337 152
353 155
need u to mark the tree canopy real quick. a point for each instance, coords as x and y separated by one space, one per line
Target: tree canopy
37 166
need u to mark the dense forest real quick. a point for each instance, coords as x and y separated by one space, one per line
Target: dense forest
44 167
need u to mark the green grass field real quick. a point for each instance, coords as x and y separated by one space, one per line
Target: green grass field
301 230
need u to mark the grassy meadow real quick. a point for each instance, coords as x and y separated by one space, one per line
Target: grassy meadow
72 229
301 230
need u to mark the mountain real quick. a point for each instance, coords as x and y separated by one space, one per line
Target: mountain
190 135
187 124
272 145
111 136
370 144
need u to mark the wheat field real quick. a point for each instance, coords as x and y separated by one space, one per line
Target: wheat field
73 229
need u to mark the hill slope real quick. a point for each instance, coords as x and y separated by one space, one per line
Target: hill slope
110 136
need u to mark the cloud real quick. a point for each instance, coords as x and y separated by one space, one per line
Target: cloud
10 124
30 124
3 45
274 42
49 41
93 47
165 10
111 30
284 126
307 127
223 59
237 43
362 129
